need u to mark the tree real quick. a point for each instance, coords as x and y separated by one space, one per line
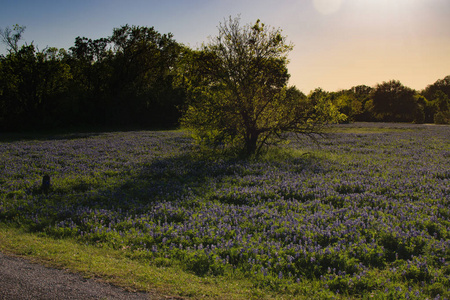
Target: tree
442 101
394 102
436 94
421 110
238 89
442 104
363 95
11 37
349 105
141 81
90 64
32 83
440 85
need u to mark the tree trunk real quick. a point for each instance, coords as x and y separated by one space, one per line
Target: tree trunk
251 143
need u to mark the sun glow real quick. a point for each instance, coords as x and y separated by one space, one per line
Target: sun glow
327 7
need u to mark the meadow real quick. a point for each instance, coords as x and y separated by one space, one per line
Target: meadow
362 213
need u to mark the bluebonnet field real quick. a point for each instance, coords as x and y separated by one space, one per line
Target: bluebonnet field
364 213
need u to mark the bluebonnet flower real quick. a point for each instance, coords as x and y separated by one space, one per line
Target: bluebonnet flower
375 198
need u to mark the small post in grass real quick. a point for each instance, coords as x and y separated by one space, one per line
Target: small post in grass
45 183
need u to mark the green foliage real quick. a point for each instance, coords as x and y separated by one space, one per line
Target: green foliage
442 117
442 104
236 85
238 90
394 102
141 80
437 110
32 83
440 85
126 79
420 114
363 94
437 107
442 101
349 105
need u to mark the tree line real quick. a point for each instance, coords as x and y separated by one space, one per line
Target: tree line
126 79
391 101
140 77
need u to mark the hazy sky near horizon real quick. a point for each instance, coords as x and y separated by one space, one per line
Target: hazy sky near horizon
337 43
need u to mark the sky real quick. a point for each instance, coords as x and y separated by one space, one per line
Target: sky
338 44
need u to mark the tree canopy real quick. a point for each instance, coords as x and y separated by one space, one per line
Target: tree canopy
122 80
239 93
232 91
393 101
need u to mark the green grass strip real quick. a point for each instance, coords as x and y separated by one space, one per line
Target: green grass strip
114 267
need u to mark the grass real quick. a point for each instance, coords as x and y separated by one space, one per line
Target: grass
117 268
364 128
362 215
135 275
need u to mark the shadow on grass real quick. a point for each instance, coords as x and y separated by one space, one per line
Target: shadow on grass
192 176
186 178
70 133
16 137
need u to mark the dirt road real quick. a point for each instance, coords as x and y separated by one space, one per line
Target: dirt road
20 280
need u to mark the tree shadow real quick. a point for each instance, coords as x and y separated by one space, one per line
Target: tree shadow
29 136
191 177
187 178
69 133
173 179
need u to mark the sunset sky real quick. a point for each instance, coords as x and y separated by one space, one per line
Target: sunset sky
337 43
